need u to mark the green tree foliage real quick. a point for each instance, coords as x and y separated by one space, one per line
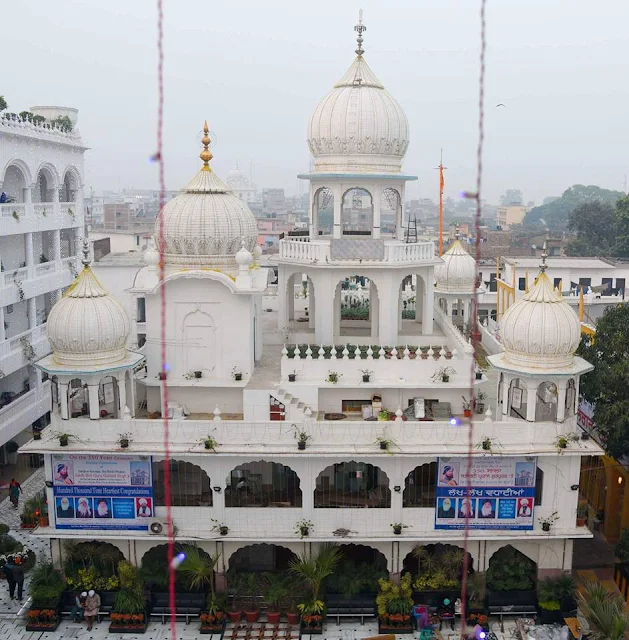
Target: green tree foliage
557 213
511 197
594 224
604 611
62 122
3 104
606 386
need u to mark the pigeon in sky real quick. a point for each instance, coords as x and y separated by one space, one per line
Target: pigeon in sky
501 105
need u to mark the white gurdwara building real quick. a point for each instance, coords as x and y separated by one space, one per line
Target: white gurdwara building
343 350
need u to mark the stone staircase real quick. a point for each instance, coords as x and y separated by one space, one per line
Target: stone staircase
295 409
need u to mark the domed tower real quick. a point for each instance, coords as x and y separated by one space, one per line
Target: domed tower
455 281
211 295
88 331
241 185
540 333
358 135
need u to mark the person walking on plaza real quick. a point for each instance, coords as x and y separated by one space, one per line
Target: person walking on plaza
18 576
92 605
15 488
8 572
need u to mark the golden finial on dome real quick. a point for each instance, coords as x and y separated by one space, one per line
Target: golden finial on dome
206 154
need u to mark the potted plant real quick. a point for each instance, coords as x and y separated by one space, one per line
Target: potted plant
210 443
220 527
124 439
582 514
548 601
129 607
236 587
46 588
36 434
486 444
562 442
385 443
394 603
443 374
236 374
11 448
64 439
548 521
312 616
467 407
251 587
333 377
479 402
397 528
292 377
478 374
301 436
302 527
162 375
275 593
366 374
213 620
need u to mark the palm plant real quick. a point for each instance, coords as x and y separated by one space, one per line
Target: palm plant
604 612
276 591
315 568
452 560
198 569
425 558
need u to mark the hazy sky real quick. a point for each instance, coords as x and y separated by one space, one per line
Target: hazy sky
256 70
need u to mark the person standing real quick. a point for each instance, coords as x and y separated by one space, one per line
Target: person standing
18 576
8 572
92 605
15 488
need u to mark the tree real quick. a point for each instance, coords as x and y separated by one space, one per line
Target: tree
511 197
3 104
557 212
621 249
606 386
604 611
595 226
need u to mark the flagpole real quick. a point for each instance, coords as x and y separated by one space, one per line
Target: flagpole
441 185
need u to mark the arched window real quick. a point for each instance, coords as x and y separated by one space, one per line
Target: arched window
539 486
571 398
189 485
546 402
357 212
78 398
262 484
108 400
352 485
420 486
517 399
261 557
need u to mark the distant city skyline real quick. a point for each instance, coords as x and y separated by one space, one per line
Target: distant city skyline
256 72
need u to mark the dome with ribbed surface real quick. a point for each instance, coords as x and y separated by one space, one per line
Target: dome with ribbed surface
358 125
457 274
88 326
207 224
540 330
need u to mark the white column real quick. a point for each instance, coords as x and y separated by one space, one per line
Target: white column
531 401
338 194
388 313
428 307
375 313
2 334
324 318
92 393
291 297
506 383
28 251
132 392
377 201
28 200
63 400
400 306
336 329
122 393
311 305
32 313
56 243
314 213
561 400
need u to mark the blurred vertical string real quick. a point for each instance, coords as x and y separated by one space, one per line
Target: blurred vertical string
474 315
159 156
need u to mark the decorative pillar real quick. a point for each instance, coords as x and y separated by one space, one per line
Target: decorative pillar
56 241
338 208
506 383
376 202
374 306
132 392
92 394
337 302
561 400
28 200
282 285
387 316
122 393
63 400
531 402
324 320
428 311
28 252
311 305
291 297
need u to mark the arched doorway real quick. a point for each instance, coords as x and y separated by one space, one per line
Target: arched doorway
546 402
391 212
262 484
78 398
356 307
261 557
357 572
357 212
420 487
352 485
189 484
154 568
199 343
108 398
101 558
70 186
517 399
15 182
322 221
510 570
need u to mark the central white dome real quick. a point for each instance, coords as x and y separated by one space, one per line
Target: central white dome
207 224
457 274
358 126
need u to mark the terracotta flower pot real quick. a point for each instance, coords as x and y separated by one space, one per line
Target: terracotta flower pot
273 617
252 616
292 617
467 413
234 616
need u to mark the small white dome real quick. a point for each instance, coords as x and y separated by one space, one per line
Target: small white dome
540 330
457 274
88 326
151 256
244 257
257 252
205 225
238 180
358 125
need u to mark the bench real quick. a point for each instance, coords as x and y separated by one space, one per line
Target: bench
357 607
519 611
107 599
187 606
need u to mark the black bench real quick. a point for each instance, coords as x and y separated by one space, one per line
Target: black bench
187 606
517 610
107 599
357 607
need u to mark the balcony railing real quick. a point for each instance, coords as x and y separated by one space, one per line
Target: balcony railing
52 215
19 414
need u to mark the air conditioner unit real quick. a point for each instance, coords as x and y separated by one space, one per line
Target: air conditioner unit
158 526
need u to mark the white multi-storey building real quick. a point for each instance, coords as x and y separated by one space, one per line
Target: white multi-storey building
41 217
385 428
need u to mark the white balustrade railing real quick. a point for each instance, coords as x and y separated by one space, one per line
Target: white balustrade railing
15 344
409 252
16 124
13 209
15 275
451 331
304 251
43 209
44 268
